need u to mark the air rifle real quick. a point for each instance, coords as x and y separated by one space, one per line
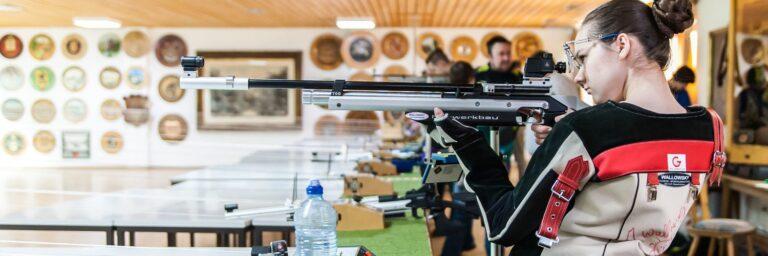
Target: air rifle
491 104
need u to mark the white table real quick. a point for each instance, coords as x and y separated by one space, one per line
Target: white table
288 166
122 250
150 210
275 171
91 213
141 251
266 190
194 207
277 193
316 155
138 208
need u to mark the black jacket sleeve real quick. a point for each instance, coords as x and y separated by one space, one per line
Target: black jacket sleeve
512 214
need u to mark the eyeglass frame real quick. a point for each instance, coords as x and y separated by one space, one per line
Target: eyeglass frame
570 55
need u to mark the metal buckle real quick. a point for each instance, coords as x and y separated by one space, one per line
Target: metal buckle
652 193
560 194
693 192
719 158
547 242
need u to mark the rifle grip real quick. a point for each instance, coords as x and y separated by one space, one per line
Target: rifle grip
548 120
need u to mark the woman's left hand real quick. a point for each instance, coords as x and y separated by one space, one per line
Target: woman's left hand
451 130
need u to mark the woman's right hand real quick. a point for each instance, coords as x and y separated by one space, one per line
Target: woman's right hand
541 131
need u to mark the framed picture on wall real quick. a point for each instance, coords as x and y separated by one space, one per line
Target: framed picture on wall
262 109
718 40
76 144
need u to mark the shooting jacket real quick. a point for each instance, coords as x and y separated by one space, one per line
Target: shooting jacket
641 173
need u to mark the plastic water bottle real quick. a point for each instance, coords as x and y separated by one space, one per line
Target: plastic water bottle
315 223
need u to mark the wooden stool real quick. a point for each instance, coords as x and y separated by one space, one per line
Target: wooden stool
721 229
717 229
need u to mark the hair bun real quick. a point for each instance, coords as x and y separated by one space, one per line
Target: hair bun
672 16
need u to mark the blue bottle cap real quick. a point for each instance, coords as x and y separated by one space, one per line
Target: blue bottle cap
314 188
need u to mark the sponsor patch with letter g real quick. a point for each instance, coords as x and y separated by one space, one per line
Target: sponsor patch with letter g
676 162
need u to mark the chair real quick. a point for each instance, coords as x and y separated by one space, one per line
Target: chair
717 229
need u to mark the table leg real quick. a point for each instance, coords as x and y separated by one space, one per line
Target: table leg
241 239
218 240
711 249
110 237
750 245
694 246
256 237
725 203
743 205
225 239
191 239
720 247
120 237
287 237
132 238
171 239
731 247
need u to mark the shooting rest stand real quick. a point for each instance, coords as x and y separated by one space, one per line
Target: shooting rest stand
496 249
377 167
354 217
367 185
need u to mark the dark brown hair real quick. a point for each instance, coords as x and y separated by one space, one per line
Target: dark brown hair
684 75
756 77
461 72
436 55
652 25
495 40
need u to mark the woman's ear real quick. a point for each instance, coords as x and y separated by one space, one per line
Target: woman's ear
624 44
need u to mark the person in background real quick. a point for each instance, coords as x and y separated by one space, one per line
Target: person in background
462 239
751 103
500 67
461 73
682 77
517 69
438 63
438 66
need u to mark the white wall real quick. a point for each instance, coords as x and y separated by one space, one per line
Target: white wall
93 94
712 15
143 146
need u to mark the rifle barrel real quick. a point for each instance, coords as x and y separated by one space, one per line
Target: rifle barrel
235 83
353 85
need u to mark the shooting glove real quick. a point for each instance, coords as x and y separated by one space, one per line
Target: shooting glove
423 119
451 130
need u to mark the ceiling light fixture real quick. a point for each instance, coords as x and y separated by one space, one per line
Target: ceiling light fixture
355 23
571 6
10 8
256 11
96 22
